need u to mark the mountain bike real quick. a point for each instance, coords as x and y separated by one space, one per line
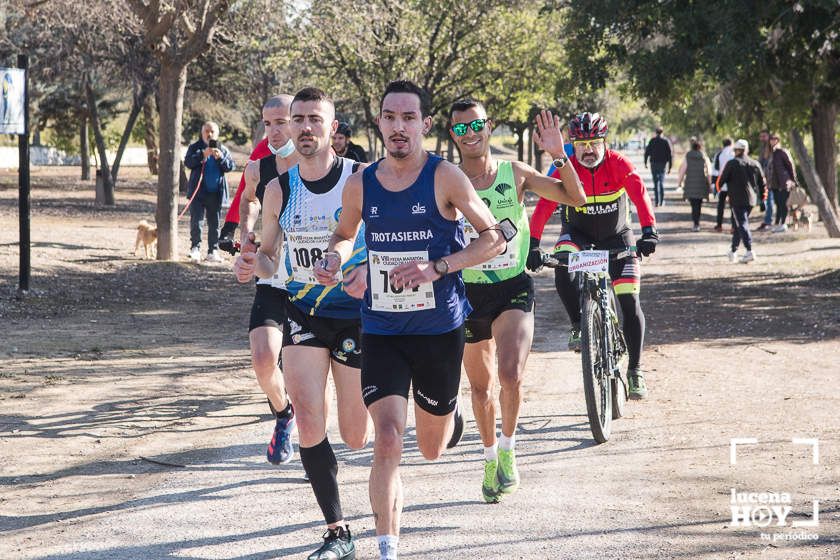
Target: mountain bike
603 348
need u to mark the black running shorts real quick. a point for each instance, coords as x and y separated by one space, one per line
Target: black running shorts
339 336
269 308
428 364
491 300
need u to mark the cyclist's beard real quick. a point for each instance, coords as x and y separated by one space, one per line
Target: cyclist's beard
592 163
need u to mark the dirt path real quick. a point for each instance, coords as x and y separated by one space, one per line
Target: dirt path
113 358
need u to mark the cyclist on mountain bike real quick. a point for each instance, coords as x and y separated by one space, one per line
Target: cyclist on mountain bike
604 222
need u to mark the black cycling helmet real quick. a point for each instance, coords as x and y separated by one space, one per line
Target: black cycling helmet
344 128
587 125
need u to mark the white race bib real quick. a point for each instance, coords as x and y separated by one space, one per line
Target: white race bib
305 248
589 261
505 260
384 296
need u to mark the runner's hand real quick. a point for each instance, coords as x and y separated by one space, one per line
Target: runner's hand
548 135
355 283
250 243
534 261
326 270
412 274
244 266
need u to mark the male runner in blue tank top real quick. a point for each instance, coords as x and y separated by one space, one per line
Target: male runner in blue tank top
415 304
321 330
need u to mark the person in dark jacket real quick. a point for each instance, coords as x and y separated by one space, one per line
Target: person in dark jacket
694 177
208 161
782 178
745 180
344 147
659 152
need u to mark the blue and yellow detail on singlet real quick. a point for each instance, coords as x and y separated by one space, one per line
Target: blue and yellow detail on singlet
401 227
307 223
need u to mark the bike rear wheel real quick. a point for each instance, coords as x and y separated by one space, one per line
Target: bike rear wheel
597 382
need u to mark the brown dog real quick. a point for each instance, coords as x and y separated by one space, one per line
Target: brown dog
147 235
798 210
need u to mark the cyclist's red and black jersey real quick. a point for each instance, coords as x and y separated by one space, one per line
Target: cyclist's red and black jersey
607 211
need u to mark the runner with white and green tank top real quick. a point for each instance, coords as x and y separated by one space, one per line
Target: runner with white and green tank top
499 290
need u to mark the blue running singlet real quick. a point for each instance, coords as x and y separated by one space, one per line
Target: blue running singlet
402 227
308 222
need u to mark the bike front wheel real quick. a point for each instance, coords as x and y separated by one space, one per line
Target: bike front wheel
597 382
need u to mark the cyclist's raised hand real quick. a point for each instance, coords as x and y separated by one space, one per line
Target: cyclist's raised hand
534 262
548 135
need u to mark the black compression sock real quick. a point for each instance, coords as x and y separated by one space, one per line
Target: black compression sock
322 468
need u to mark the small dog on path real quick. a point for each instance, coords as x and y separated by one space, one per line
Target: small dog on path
147 235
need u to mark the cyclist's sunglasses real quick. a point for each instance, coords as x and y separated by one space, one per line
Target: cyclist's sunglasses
588 144
477 125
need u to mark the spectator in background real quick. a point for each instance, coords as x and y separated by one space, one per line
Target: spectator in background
695 179
344 147
208 161
746 185
659 152
764 159
782 179
721 159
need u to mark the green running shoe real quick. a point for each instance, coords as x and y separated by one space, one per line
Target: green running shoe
574 339
636 384
338 545
507 474
490 485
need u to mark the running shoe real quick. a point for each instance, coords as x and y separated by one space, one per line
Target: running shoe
195 254
748 257
732 255
636 384
490 485
574 339
338 545
214 256
459 427
718 228
280 450
764 226
507 474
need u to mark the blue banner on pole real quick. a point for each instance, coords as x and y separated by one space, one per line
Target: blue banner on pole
12 81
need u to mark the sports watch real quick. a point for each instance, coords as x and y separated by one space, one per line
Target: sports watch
561 162
441 266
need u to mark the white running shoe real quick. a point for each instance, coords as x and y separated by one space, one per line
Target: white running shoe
749 256
195 254
780 228
214 256
733 256
695 228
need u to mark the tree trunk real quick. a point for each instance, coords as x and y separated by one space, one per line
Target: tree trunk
107 197
173 79
531 145
151 134
439 143
257 132
823 124
450 150
136 106
520 142
815 186
538 159
84 148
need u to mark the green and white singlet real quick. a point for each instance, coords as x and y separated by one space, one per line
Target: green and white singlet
502 197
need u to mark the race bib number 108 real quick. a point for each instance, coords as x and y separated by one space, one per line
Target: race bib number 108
305 249
385 296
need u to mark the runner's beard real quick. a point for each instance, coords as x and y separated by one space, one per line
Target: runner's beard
401 154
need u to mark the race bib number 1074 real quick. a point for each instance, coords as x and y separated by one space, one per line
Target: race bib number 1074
385 296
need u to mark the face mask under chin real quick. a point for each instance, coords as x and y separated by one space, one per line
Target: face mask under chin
285 150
